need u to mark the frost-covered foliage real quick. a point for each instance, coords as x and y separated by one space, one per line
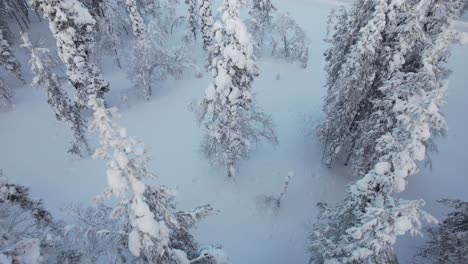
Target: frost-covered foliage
402 115
43 66
448 242
112 29
23 224
354 63
150 60
73 28
228 111
260 22
93 237
146 211
156 232
17 10
138 24
206 22
5 95
372 44
289 40
8 59
192 6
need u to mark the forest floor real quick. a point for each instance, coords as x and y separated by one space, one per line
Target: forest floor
33 152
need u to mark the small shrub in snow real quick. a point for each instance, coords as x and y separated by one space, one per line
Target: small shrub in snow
274 201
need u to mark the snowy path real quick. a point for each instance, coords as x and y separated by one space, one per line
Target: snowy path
33 144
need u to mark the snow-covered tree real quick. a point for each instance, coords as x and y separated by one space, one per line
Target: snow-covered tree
151 61
151 8
148 212
206 22
448 242
8 59
156 232
23 224
112 26
43 66
91 236
228 110
356 118
403 117
260 21
73 28
289 40
138 24
192 6
352 82
17 10
5 95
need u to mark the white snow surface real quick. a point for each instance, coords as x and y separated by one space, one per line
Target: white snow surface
33 148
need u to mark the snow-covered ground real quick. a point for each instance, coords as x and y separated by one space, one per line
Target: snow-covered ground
33 152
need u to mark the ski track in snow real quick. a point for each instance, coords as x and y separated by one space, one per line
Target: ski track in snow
34 149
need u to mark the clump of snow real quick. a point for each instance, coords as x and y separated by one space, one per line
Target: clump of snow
382 167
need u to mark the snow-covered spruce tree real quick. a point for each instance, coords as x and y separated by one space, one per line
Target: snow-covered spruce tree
405 38
42 67
448 242
206 23
289 40
192 6
73 28
365 227
260 22
147 211
228 110
8 59
23 224
156 232
351 83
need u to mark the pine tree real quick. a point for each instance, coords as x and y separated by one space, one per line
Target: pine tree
8 59
260 22
73 28
42 66
192 16
228 112
405 114
448 242
206 23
